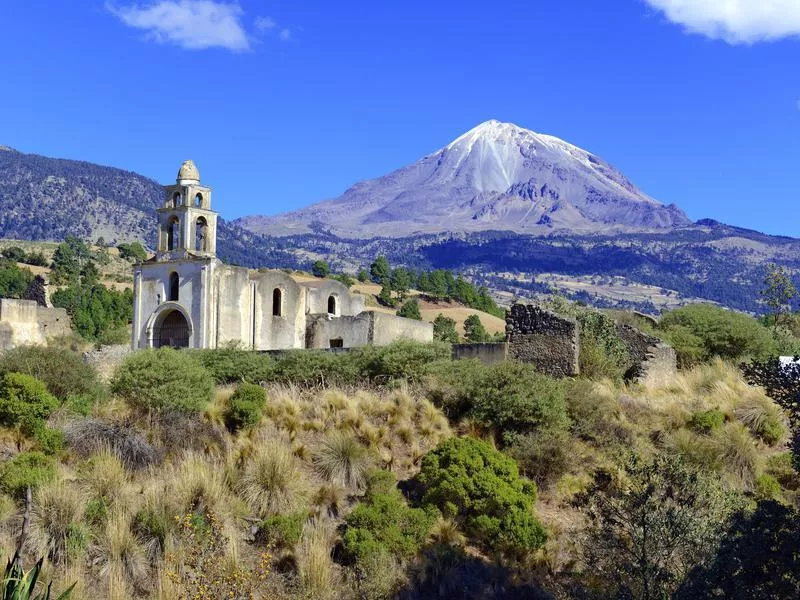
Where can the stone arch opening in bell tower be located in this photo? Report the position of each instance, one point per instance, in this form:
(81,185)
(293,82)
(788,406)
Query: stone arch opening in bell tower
(201,235)
(277,302)
(331,305)
(173,233)
(176,199)
(198,201)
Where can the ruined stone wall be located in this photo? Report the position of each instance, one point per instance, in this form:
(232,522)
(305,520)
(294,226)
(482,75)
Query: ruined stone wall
(548,341)
(24,322)
(652,359)
(488,354)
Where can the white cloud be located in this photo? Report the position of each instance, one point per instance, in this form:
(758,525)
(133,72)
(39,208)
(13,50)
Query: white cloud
(285,35)
(735,21)
(190,24)
(265,23)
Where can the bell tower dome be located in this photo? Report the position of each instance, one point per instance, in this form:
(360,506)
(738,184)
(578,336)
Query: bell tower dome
(187,225)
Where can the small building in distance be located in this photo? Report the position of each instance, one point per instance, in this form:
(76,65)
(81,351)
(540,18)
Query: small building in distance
(185,297)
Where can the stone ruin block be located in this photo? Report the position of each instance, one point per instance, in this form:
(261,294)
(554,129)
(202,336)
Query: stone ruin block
(548,341)
(651,358)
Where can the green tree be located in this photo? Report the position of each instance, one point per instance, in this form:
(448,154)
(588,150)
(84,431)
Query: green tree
(380,271)
(14,254)
(363,276)
(320,269)
(410,310)
(474,331)
(778,292)
(401,281)
(24,400)
(133,252)
(385,297)
(651,528)
(444,329)
(69,259)
(14,281)
(469,480)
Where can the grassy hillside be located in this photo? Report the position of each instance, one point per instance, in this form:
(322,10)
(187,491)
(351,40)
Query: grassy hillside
(379,473)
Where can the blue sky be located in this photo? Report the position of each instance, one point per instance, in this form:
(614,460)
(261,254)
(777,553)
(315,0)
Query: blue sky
(282,104)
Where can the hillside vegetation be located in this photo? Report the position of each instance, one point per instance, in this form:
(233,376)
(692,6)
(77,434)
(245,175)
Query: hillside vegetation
(396,472)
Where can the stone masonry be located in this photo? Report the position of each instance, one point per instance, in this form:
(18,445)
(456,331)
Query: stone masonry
(651,358)
(548,341)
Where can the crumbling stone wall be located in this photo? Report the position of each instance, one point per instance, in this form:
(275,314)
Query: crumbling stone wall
(489,353)
(548,341)
(105,360)
(25,322)
(651,358)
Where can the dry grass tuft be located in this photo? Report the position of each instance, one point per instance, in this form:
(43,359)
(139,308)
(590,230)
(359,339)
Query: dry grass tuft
(122,559)
(317,574)
(342,459)
(273,481)
(198,485)
(56,514)
(105,477)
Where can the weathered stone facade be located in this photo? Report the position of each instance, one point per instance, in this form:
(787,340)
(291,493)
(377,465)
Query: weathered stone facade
(547,340)
(185,297)
(652,359)
(24,322)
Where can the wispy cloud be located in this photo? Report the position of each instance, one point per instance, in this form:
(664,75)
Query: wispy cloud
(285,35)
(735,21)
(265,23)
(190,24)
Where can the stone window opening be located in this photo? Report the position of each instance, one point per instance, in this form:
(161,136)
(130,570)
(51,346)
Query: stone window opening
(173,233)
(201,235)
(277,302)
(174,286)
(336,343)
(198,200)
(331,305)
(176,199)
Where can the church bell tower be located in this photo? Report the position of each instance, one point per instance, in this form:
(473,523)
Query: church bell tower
(187,225)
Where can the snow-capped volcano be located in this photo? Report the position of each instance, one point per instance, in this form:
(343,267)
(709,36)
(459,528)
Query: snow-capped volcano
(497,176)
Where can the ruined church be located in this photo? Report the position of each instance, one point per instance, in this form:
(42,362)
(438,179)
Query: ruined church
(185,297)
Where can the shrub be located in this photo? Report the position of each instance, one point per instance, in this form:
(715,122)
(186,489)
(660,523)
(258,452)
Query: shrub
(231,365)
(402,359)
(781,468)
(468,479)
(163,379)
(724,333)
(384,522)
(63,372)
(764,419)
(508,397)
(595,413)
(245,407)
(707,421)
(474,331)
(24,400)
(342,459)
(766,487)
(89,436)
(28,469)
(544,457)
(314,368)
(602,352)
(283,531)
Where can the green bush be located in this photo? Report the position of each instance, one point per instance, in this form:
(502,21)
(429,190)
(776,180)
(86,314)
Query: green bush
(543,457)
(467,479)
(50,441)
(28,469)
(508,397)
(602,353)
(781,468)
(766,487)
(63,372)
(245,407)
(444,329)
(230,365)
(402,359)
(384,522)
(595,415)
(705,331)
(163,380)
(314,367)
(24,400)
(284,531)
(707,421)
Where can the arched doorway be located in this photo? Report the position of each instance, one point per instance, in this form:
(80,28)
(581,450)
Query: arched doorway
(172,331)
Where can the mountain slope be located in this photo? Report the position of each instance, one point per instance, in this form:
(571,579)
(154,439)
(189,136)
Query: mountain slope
(496,176)
(45,198)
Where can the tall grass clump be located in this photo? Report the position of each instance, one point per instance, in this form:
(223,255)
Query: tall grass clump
(342,459)
(56,517)
(764,419)
(317,574)
(273,480)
